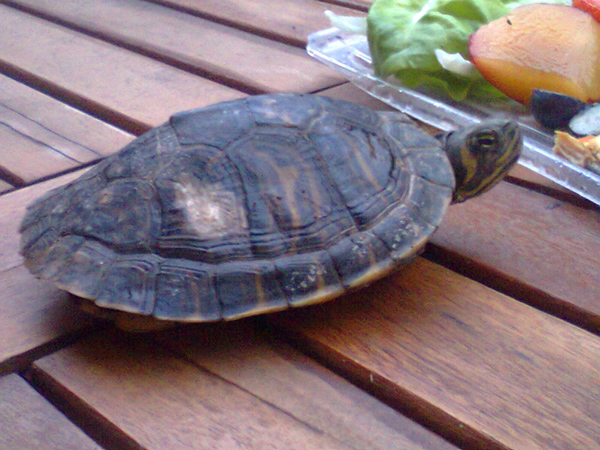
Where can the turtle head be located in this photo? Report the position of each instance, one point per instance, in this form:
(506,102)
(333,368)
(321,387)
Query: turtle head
(481,155)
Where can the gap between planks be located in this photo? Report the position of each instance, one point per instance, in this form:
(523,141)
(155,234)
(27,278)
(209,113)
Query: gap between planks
(289,21)
(246,62)
(139,49)
(240,363)
(74,100)
(29,422)
(496,372)
(74,68)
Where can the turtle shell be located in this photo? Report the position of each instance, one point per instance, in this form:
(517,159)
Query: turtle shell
(241,208)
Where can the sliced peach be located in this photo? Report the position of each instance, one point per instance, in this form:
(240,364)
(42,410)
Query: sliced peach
(540,46)
(591,6)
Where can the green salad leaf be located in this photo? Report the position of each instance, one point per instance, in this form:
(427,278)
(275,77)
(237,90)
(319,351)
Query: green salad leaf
(405,34)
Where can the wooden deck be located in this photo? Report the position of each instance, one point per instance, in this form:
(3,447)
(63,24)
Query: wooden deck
(489,341)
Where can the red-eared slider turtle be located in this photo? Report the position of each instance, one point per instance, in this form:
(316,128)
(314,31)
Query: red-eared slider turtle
(257,205)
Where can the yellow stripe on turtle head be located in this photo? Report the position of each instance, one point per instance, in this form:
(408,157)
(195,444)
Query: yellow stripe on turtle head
(482,155)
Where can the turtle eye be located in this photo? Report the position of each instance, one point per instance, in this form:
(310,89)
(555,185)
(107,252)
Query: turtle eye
(486,145)
(487,140)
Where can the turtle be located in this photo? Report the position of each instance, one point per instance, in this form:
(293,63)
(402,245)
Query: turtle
(256,205)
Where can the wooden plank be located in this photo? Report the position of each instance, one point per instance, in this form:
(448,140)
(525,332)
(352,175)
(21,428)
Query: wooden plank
(289,21)
(155,400)
(42,136)
(482,369)
(34,315)
(29,422)
(550,246)
(246,61)
(4,186)
(29,159)
(359,4)
(244,355)
(45,119)
(124,87)
(13,207)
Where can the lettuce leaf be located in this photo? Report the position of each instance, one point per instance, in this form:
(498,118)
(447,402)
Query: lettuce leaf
(405,34)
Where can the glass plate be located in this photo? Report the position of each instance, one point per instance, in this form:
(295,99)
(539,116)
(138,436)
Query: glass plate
(349,55)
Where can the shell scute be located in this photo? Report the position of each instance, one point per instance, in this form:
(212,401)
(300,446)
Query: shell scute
(123,214)
(303,276)
(404,232)
(204,215)
(357,255)
(242,208)
(290,111)
(129,284)
(248,287)
(206,125)
(51,253)
(52,202)
(350,115)
(83,271)
(143,158)
(291,203)
(431,165)
(358,163)
(184,289)
(426,201)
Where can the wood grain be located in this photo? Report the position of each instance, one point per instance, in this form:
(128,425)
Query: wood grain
(43,137)
(156,400)
(18,152)
(34,316)
(29,422)
(245,61)
(4,186)
(360,4)
(45,119)
(550,246)
(126,88)
(289,21)
(482,369)
(243,354)
(473,365)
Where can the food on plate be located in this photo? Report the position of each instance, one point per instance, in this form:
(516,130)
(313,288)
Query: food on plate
(424,43)
(583,152)
(577,138)
(543,54)
(551,47)
(404,36)
(553,110)
(587,121)
(559,111)
(591,6)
